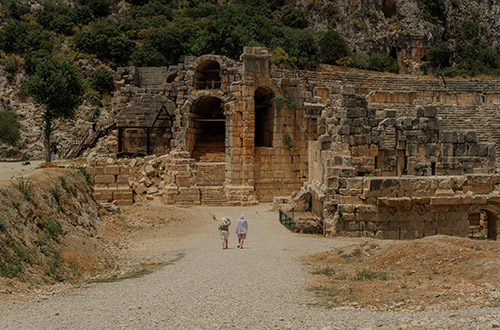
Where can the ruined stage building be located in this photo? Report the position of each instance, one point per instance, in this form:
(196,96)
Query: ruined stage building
(391,156)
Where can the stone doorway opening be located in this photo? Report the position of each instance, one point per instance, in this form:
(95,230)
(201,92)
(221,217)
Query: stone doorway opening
(207,75)
(207,130)
(483,225)
(264,117)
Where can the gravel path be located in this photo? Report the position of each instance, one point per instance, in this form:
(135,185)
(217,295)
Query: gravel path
(13,170)
(260,287)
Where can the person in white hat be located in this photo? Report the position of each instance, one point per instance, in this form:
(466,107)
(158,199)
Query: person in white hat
(224,231)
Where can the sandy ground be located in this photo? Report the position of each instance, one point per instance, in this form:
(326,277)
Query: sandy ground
(200,286)
(13,170)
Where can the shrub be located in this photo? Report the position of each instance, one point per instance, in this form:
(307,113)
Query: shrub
(147,56)
(380,62)
(4,223)
(9,128)
(56,193)
(31,60)
(439,55)
(19,37)
(333,47)
(102,81)
(434,9)
(366,274)
(95,38)
(361,60)
(120,49)
(99,8)
(11,64)
(301,45)
(57,17)
(279,56)
(220,38)
(165,41)
(294,17)
(156,8)
(86,175)
(52,226)
(16,9)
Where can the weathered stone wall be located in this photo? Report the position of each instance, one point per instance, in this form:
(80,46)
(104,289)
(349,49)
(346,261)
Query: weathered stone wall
(389,176)
(413,207)
(357,123)
(111,180)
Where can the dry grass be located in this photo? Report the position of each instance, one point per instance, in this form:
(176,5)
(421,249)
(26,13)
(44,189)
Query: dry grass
(436,272)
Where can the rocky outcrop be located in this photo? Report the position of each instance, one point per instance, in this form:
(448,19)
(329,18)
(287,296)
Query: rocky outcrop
(66,132)
(402,28)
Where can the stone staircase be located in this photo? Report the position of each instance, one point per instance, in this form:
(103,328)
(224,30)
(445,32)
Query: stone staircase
(213,196)
(211,177)
(369,81)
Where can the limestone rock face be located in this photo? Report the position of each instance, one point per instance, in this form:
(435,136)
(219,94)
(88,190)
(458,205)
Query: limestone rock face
(402,27)
(65,132)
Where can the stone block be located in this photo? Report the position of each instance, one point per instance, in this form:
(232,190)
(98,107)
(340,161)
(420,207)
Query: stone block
(353,113)
(430,111)
(122,195)
(113,170)
(104,179)
(124,201)
(141,189)
(390,113)
(98,170)
(103,195)
(122,179)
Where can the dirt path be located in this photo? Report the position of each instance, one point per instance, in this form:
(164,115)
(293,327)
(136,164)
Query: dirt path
(263,286)
(13,170)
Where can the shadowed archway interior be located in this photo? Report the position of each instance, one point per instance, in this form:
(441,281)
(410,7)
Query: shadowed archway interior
(264,117)
(207,129)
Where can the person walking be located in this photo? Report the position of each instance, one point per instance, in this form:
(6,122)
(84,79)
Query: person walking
(224,231)
(241,230)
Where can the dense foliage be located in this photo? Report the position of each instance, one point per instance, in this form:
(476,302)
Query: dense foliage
(163,32)
(471,57)
(9,128)
(102,81)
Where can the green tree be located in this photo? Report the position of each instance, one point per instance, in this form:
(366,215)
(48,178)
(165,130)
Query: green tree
(57,17)
(439,55)
(294,17)
(18,37)
(9,128)
(147,56)
(219,38)
(99,8)
(380,62)
(333,47)
(167,42)
(102,81)
(16,9)
(57,89)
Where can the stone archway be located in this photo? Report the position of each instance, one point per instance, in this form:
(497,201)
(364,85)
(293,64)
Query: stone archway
(208,75)
(207,129)
(483,222)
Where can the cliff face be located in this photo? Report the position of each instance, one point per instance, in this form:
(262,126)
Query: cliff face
(404,28)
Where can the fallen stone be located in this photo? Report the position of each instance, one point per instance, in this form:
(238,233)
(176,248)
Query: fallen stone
(141,189)
(110,207)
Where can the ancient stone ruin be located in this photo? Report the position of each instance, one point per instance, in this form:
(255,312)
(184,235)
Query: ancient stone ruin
(374,155)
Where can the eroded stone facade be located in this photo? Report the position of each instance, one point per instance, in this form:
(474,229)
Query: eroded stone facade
(372,151)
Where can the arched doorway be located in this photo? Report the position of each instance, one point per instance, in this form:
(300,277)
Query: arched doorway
(207,75)
(483,224)
(264,117)
(207,129)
